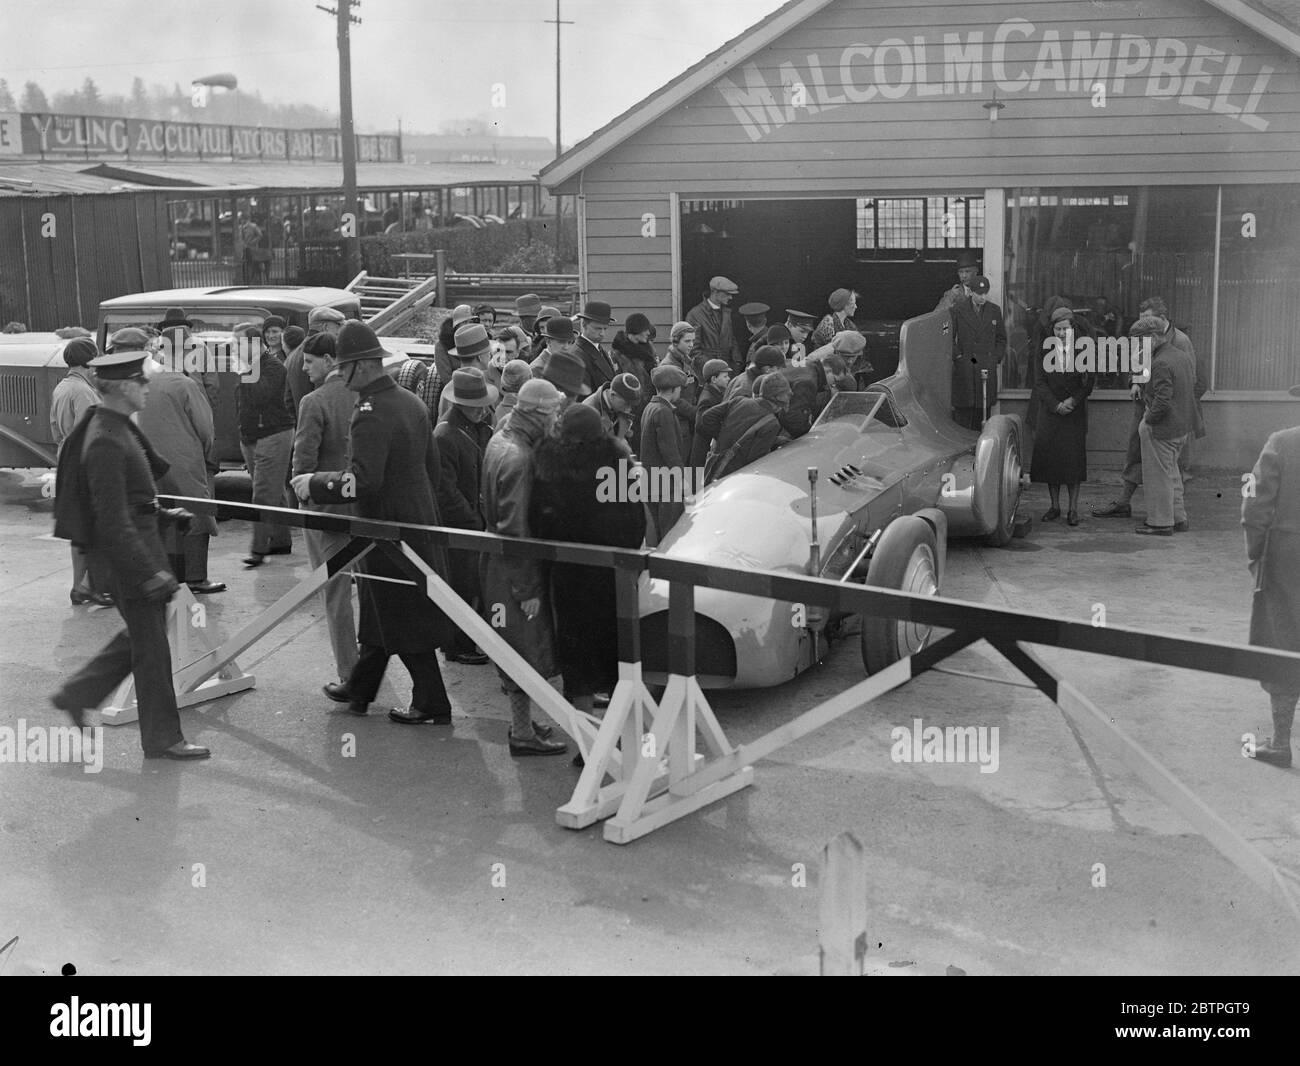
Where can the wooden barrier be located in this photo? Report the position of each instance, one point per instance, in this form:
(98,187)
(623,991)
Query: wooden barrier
(648,748)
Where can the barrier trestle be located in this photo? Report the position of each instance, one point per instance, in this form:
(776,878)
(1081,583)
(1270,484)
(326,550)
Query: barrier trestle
(643,769)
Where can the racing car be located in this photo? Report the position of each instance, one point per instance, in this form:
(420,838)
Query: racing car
(895,476)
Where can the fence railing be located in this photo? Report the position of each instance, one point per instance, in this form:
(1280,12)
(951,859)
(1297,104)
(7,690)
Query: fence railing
(648,747)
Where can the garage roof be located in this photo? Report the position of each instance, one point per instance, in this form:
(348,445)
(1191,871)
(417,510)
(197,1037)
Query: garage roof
(19,179)
(297,177)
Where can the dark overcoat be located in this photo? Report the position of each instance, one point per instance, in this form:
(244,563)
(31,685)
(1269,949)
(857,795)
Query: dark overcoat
(461,444)
(392,475)
(1060,441)
(565,506)
(979,342)
(1271,517)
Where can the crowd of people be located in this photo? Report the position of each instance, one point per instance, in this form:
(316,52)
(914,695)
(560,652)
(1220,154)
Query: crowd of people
(506,430)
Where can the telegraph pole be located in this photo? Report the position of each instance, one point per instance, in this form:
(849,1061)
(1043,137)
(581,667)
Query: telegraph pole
(352,243)
(558,23)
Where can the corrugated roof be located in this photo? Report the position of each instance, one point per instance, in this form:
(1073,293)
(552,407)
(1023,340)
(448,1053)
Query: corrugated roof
(303,176)
(25,179)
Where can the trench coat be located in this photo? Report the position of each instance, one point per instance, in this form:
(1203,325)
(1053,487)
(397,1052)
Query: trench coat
(461,445)
(177,420)
(506,583)
(1271,518)
(392,475)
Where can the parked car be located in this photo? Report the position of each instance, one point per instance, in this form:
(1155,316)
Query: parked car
(895,477)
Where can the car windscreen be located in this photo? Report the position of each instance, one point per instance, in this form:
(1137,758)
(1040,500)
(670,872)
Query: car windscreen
(203,320)
(875,406)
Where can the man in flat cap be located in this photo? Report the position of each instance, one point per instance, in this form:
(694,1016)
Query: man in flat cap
(665,449)
(968,269)
(744,428)
(714,336)
(106,500)
(615,402)
(979,343)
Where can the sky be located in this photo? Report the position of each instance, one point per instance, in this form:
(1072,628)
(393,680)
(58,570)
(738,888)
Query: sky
(423,61)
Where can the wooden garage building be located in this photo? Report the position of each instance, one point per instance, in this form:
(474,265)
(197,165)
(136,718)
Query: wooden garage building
(1085,149)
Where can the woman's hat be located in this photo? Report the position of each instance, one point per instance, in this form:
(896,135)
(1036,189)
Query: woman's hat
(626,386)
(469,388)
(356,341)
(514,374)
(581,423)
(461,314)
(839,299)
(1060,313)
(293,336)
(538,395)
(271,321)
(636,323)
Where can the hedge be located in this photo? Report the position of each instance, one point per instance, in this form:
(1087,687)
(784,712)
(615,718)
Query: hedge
(471,250)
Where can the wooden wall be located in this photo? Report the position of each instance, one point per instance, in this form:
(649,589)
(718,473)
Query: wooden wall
(61,255)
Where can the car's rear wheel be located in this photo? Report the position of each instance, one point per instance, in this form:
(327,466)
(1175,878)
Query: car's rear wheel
(906,559)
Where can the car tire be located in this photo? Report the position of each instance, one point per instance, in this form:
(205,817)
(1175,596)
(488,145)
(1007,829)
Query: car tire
(1006,431)
(906,559)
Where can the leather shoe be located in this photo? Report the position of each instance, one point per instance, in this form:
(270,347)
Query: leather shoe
(536,746)
(1051,514)
(203,588)
(77,714)
(1182,527)
(99,599)
(339,693)
(1155,531)
(183,750)
(543,730)
(413,717)
(1114,509)
(1072,517)
(470,658)
(254,559)
(1274,756)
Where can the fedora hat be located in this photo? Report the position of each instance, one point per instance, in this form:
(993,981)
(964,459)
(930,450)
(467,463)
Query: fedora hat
(356,341)
(462,313)
(469,388)
(595,311)
(528,305)
(567,373)
(471,341)
(175,317)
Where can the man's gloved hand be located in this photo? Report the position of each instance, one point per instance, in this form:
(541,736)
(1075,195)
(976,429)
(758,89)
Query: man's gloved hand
(161,587)
(178,517)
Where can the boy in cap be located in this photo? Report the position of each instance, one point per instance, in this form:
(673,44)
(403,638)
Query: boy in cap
(717,376)
(763,361)
(106,500)
(615,402)
(513,378)
(514,590)
(665,447)
(714,336)
(800,324)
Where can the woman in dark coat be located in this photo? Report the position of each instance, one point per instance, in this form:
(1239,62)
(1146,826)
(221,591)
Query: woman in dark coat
(565,506)
(1061,432)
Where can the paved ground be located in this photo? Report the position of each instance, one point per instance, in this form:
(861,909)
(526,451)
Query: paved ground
(384,863)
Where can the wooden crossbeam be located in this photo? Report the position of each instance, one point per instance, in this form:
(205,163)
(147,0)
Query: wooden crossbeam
(1101,729)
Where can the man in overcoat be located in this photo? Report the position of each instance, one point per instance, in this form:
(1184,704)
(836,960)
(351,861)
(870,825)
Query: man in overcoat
(515,596)
(178,423)
(106,501)
(715,336)
(463,435)
(599,367)
(1270,513)
(665,445)
(979,342)
(392,474)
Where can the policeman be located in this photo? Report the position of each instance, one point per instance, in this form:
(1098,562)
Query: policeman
(979,341)
(106,499)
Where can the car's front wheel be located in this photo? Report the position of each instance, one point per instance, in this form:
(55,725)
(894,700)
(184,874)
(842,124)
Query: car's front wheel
(906,559)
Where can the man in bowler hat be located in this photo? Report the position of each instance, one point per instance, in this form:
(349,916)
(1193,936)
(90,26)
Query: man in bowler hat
(968,269)
(599,367)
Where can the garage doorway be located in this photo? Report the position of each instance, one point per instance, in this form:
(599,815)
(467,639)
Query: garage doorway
(899,251)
